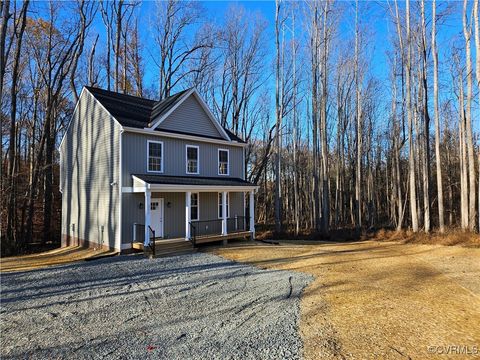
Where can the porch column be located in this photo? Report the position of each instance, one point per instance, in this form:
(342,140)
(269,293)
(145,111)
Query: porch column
(188,200)
(252,214)
(148,198)
(224,213)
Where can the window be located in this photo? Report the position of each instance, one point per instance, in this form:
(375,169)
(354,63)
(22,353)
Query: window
(222,162)
(220,206)
(194,213)
(192,159)
(155,156)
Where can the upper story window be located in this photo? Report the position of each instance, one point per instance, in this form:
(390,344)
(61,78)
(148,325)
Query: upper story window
(192,159)
(223,156)
(155,156)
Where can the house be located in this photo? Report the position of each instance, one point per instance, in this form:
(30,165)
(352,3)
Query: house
(134,170)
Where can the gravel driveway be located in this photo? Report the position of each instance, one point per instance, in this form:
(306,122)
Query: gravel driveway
(192,306)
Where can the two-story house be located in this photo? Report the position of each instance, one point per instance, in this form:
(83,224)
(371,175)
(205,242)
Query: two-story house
(134,169)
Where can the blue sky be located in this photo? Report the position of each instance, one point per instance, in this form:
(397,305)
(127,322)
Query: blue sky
(375,18)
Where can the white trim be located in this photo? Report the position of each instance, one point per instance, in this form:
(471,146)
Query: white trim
(228,204)
(167,134)
(148,156)
(228,162)
(224,213)
(252,214)
(186,159)
(182,188)
(120,190)
(243,164)
(198,206)
(188,199)
(60,179)
(127,189)
(202,104)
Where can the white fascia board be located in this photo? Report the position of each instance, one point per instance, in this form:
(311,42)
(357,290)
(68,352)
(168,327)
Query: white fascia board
(199,188)
(184,136)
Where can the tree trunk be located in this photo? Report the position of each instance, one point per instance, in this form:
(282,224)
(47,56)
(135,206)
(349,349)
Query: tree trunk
(12,149)
(472,211)
(278,112)
(358,105)
(441,216)
(411,156)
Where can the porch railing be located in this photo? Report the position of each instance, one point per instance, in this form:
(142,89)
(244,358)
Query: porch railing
(139,235)
(151,243)
(214,227)
(237,223)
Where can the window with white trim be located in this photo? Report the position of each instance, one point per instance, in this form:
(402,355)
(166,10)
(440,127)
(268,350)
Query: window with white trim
(223,156)
(194,201)
(220,205)
(192,159)
(155,156)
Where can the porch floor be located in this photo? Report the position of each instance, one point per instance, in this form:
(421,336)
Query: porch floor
(202,239)
(165,247)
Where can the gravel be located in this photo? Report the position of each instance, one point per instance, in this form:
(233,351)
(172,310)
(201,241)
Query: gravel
(196,306)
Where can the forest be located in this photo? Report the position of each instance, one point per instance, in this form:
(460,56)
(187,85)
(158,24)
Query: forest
(359,115)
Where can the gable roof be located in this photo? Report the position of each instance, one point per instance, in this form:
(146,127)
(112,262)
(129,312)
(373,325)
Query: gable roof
(138,112)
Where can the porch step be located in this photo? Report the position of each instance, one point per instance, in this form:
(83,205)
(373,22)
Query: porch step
(170,248)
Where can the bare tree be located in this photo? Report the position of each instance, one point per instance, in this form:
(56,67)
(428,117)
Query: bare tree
(19,29)
(472,211)
(411,150)
(358,106)
(279,115)
(438,158)
(174,20)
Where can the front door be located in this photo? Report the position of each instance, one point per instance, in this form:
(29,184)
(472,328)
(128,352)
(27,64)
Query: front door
(156,216)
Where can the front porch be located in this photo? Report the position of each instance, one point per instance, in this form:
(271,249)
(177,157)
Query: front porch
(213,210)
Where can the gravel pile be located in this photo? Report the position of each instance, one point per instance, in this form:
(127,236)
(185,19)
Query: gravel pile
(197,306)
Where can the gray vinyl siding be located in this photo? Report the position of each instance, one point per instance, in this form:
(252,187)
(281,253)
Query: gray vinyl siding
(134,157)
(89,165)
(190,118)
(174,216)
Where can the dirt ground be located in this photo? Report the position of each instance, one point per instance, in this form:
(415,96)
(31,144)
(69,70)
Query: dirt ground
(48,258)
(380,300)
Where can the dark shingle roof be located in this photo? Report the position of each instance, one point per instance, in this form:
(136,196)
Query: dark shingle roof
(192,180)
(137,112)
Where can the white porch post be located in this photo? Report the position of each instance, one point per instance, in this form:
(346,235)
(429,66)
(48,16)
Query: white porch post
(224,213)
(148,198)
(252,214)
(188,200)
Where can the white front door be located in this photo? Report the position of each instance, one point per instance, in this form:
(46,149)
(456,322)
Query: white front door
(156,216)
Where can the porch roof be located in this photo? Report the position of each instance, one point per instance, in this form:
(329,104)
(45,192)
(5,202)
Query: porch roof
(143,182)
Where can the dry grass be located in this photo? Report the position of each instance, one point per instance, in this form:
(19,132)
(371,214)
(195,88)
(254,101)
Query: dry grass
(48,258)
(379,300)
(449,238)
